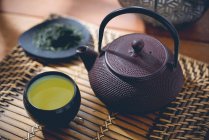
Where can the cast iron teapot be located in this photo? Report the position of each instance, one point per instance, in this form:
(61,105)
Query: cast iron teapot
(135,73)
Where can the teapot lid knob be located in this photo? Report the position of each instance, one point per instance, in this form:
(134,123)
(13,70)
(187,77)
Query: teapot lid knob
(137,45)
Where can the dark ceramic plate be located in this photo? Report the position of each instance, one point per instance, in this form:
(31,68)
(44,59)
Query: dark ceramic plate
(27,43)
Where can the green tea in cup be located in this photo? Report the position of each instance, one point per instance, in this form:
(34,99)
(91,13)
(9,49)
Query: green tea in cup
(51,92)
(52,99)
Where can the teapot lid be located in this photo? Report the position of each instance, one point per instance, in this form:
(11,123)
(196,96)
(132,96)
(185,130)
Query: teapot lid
(136,55)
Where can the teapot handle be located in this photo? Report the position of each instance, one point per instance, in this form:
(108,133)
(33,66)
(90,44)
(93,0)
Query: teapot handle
(135,9)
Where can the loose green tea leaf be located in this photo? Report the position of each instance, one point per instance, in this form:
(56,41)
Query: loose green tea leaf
(57,37)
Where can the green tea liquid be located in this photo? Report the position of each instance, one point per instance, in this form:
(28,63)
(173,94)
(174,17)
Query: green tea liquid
(51,92)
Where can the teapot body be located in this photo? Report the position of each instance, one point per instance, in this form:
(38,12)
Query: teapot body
(133,95)
(135,73)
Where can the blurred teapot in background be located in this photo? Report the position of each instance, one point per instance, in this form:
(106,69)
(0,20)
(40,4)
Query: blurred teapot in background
(135,73)
(176,11)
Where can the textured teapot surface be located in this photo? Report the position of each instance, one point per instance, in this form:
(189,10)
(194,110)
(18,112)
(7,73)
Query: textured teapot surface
(133,95)
(135,73)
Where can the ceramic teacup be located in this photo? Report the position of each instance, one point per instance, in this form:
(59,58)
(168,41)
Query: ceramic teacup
(52,99)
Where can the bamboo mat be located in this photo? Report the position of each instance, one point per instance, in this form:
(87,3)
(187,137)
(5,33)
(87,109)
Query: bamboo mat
(185,118)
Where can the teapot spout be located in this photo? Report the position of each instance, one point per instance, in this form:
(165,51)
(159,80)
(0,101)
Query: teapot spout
(87,55)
